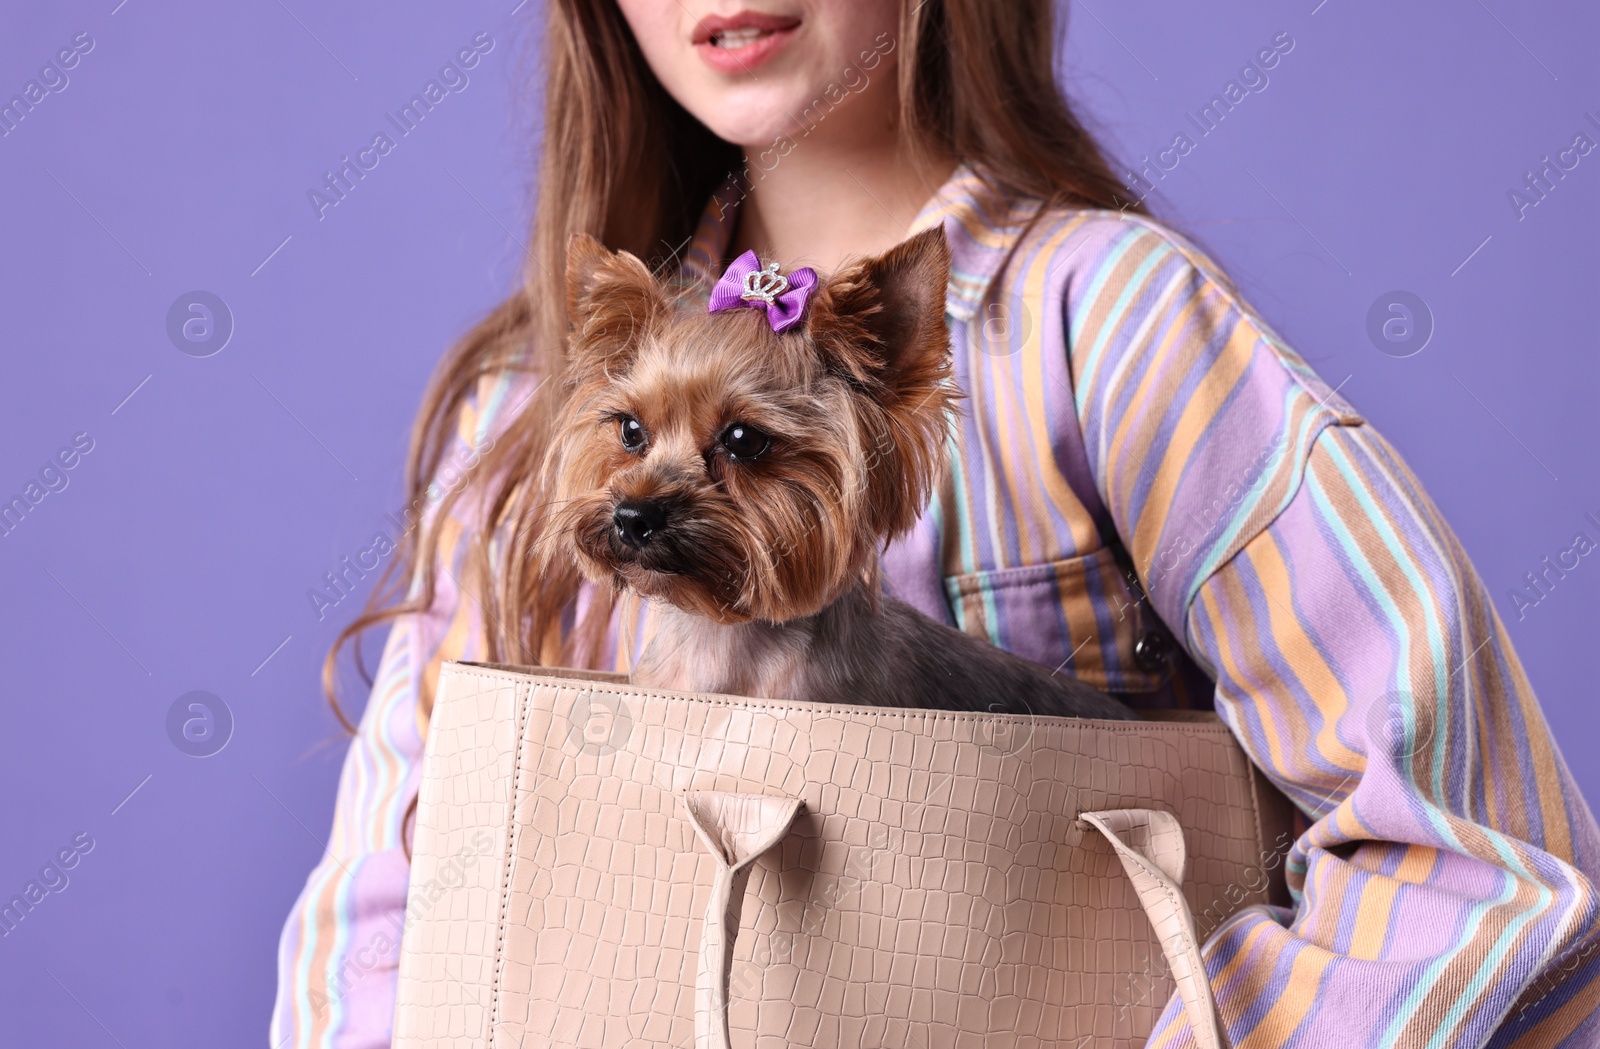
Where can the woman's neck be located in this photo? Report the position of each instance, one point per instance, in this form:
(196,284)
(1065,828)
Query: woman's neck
(817,206)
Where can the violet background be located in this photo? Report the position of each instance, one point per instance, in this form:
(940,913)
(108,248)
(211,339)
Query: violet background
(179,557)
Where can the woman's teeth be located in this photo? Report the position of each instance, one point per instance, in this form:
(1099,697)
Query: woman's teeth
(730,39)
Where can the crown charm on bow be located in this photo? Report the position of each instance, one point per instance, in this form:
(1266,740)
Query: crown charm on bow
(765,285)
(746,283)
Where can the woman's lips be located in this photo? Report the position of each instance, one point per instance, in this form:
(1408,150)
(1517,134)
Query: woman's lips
(739,43)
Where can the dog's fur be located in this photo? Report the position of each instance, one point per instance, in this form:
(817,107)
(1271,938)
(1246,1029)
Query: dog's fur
(767,566)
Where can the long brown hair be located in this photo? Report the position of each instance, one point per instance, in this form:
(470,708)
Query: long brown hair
(624,162)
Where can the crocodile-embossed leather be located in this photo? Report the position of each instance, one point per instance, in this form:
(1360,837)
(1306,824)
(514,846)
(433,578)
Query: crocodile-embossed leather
(943,885)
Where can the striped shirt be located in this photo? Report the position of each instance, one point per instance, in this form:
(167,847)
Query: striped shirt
(1150,490)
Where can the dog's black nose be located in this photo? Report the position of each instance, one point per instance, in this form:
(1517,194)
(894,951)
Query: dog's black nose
(637,522)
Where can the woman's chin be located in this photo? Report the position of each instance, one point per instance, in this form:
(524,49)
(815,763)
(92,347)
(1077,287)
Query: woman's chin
(755,114)
(752,128)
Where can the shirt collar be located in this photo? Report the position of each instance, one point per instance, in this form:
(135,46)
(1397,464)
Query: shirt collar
(981,223)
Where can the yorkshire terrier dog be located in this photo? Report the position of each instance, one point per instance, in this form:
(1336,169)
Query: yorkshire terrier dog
(744,468)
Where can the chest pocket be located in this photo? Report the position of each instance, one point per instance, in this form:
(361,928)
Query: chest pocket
(1081,615)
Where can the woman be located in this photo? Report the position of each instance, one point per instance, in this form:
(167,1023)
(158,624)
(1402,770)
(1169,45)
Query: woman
(1147,488)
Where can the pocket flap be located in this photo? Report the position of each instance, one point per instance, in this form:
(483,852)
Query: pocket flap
(1078,614)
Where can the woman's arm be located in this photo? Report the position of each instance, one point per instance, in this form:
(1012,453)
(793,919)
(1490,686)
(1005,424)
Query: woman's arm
(1443,891)
(340,947)
(339,953)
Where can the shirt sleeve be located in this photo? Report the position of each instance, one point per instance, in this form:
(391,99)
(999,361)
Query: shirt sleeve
(339,953)
(1442,894)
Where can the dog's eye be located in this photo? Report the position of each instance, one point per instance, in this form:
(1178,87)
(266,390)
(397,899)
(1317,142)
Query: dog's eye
(632,433)
(744,441)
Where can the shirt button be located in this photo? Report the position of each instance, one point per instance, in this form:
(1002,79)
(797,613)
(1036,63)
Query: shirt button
(1150,652)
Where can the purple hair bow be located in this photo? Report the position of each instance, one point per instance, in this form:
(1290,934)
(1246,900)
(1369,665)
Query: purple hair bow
(746,284)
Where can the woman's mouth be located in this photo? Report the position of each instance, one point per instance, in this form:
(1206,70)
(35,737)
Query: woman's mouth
(738,43)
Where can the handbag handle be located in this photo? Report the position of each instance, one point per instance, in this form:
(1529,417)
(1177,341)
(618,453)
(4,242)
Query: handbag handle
(737,828)
(1149,843)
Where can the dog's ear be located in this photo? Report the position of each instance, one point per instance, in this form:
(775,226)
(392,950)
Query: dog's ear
(880,321)
(613,302)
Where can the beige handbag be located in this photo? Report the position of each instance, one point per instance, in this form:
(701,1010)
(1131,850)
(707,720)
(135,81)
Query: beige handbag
(604,866)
